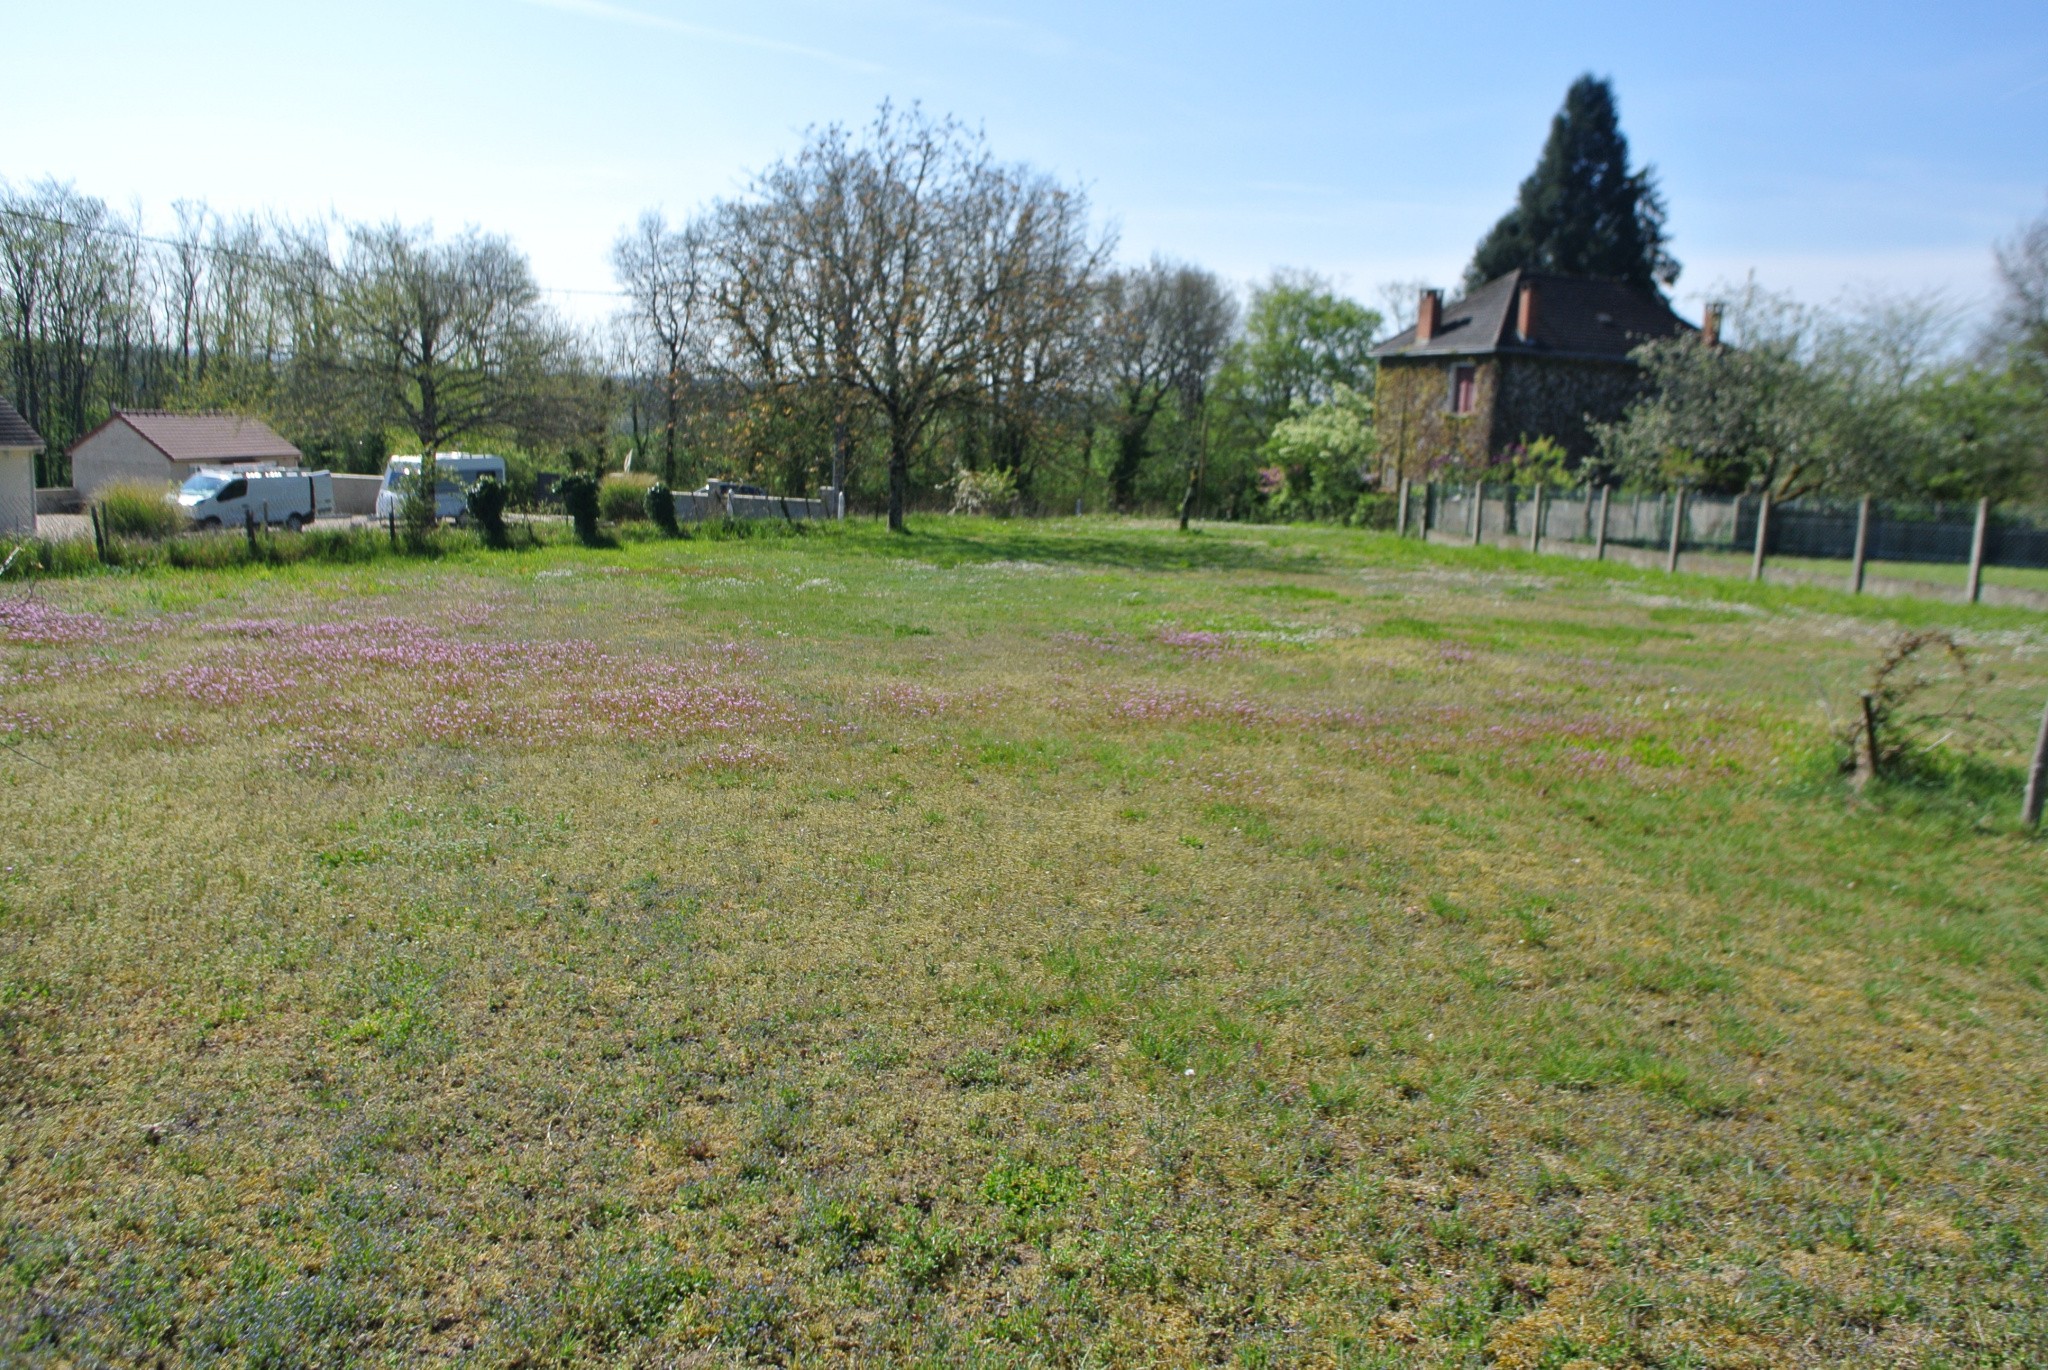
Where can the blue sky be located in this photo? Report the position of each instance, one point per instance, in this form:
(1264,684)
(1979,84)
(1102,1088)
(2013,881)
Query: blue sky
(1828,147)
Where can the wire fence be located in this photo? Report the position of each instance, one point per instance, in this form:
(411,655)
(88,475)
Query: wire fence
(1977,535)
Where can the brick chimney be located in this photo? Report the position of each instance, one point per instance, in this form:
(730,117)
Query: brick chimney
(1710,326)
(1525,313)
(1428,316)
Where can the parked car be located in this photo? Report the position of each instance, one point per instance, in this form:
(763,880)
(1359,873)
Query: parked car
(455,474)
(269,495)
(729,487)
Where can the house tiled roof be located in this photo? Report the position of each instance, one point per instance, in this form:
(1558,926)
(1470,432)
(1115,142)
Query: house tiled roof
(1601,320)
(204,437)
(15,432)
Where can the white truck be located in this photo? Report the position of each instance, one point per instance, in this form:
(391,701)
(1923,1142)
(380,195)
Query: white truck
(455,474)
(270,495)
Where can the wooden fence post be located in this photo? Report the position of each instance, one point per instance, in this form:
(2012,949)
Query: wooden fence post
(2037,778)
(1862,545)
(1867,742)
(1677,530)
(1977,549)
(1428,508)
(1401,513)
(1536,518)
(1600,538)
(1763,534)
(1478,511)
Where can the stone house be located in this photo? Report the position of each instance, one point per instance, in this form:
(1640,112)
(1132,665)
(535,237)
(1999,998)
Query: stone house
(1522,357)
(163,448)
(19,445)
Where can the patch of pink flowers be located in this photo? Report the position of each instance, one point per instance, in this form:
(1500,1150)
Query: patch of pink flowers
(743,756)
(20,723)
(904,697)
(24,618)
(1196,642)
(388,680)
(226,685)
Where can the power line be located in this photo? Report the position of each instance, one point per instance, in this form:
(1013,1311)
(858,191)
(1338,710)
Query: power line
(237,253)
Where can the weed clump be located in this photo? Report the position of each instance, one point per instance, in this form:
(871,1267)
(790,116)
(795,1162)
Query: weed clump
(137,509)
(628,1296)
(923,1251)
(1024,1190)
(622,498)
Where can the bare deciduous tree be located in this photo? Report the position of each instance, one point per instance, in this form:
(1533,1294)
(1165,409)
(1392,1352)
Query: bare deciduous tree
(1164,327)
(889,270)
(448,339)
(1201,317)
(666,274)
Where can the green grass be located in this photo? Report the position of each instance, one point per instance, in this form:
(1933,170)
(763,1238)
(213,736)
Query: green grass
(1948,575)
(1010,944)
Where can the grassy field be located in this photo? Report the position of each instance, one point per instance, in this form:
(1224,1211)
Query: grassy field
(1951,575)
(1010,944)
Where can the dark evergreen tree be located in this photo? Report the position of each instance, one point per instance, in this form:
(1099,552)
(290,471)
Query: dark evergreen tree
(1582,212)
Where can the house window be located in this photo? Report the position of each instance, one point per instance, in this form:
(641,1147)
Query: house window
(1464,389)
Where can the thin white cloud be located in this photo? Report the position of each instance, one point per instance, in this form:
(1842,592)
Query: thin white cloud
(621,14)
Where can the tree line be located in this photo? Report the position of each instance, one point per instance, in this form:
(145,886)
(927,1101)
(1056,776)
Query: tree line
(895,311)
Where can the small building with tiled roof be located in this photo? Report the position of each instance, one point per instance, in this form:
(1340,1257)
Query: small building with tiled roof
(20,445)
(1522,357)
(160,447)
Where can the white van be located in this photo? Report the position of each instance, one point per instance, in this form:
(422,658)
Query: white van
(455,474)
(270,495)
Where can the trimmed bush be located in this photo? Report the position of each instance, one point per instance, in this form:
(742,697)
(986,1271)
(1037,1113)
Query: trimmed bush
(579,499)
(138,509)
(486,503)
(623,497)
(661,509)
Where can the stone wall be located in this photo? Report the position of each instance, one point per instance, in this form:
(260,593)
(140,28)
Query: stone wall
(1551,398)
(1419,435)
(1519,398)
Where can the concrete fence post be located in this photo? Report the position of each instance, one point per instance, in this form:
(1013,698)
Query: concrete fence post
(1428,508)
(1478,511)
(1536,519)
(1401,512)
(2037,779)
(1862,546)
(1763,534)
(1677,530)
(1977,538)
(1600,536)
